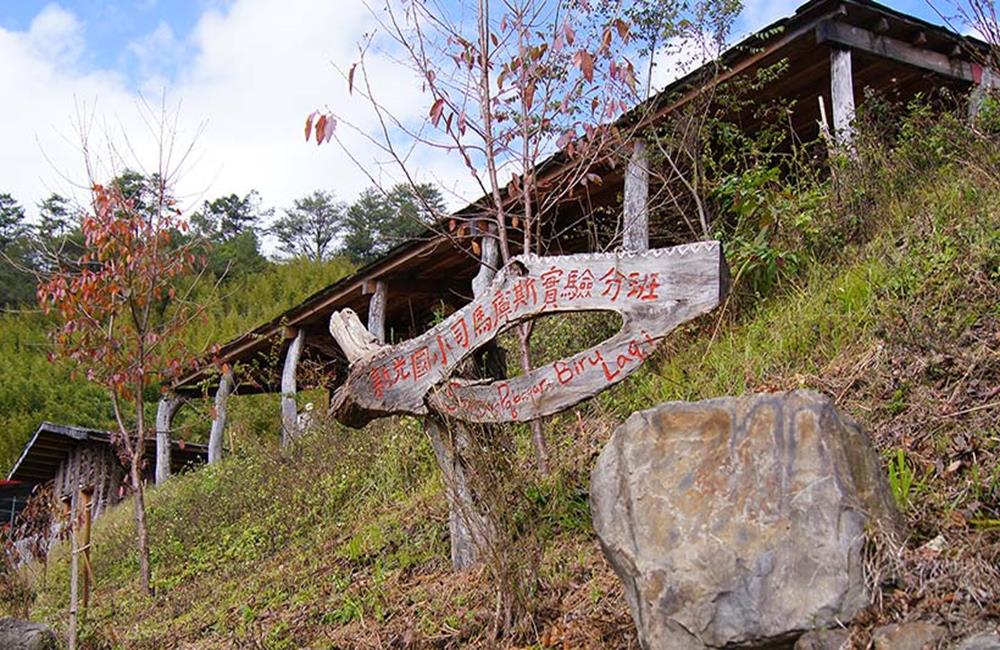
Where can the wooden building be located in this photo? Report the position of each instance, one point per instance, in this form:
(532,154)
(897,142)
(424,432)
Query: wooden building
(74,459)
(833,52)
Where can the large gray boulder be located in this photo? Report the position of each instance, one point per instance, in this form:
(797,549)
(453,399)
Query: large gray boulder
(739,520)
(16,634)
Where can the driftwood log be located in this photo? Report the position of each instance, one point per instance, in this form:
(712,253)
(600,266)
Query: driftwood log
(654,292)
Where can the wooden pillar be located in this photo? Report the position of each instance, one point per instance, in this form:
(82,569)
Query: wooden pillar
(289,412)
(376,311)
(842,95)
(165,411)
(635,217)
(219,416)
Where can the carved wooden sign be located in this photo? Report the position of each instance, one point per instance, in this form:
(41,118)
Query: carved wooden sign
(654,292)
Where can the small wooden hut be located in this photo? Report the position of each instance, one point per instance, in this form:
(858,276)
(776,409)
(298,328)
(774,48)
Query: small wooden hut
(76,459)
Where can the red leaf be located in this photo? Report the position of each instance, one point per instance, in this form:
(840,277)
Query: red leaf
(320,125)
(309,124)
(622,28)
(475,247)
(437,109)
(586,62)
(529,94)
(570,34)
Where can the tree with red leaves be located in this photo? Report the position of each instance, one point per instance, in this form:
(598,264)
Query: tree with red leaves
(121,312)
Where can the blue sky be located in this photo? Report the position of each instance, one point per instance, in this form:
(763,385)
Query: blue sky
(244,73)
(111,29)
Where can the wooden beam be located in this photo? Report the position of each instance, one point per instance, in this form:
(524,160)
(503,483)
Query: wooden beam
(289,412)
(376,311)
(635,207)
(832,31)
(219,417)
(165,411)
(842,95)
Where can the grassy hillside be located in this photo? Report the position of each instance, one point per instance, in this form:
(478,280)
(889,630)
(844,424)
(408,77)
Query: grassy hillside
(33,389)
(878,287)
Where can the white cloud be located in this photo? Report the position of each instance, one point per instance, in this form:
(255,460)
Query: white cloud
(249,72)
(55,35)
(680,56)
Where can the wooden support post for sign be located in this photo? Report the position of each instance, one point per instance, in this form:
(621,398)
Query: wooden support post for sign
(467,527)
(635,218)
(165,411)
(219,416)
(289,412)
(376,311)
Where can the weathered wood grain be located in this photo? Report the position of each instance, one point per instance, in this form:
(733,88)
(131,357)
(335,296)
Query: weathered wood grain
(635,217)
(289,387)
(376,311)
(165,411)
(842,95)
(653,291)
(219,417)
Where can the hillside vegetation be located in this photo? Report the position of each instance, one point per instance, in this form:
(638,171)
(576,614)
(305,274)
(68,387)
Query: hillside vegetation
(877,285)
(33,389)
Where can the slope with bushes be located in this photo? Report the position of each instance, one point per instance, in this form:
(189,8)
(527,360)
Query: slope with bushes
(878,286)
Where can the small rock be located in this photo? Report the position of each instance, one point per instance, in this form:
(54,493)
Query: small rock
(739,521)
(981,642)
(16,634)
(908,636)
(824,640)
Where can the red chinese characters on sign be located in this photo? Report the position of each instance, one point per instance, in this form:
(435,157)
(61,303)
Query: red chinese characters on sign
(460,331)
(489,315)
(550,287)
(579,284)
(481,322)
(640,286)
(643,287)
(525,294)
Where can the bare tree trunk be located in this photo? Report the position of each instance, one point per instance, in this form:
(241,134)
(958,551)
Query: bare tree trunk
(74,579)
(139,500)
(142,531)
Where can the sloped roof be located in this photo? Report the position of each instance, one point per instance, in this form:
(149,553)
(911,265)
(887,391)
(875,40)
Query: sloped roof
(436,268)
(52,443)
